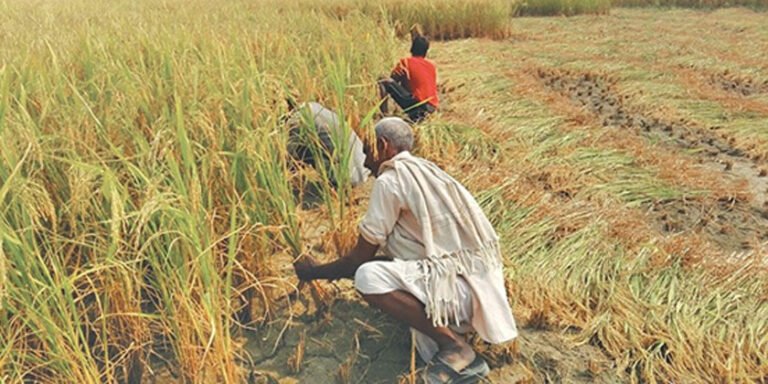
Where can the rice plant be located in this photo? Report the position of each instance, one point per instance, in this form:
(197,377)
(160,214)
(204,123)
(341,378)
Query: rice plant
(438,19)
(145,180)
(563,7)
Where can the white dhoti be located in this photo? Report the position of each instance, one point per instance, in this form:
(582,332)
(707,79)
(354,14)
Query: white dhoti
(380,277)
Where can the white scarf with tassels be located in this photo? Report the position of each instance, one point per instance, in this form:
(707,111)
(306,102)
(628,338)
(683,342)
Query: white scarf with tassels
(457,237)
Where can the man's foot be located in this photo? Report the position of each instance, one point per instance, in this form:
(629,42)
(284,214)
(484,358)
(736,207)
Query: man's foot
(458,357)
(438,372)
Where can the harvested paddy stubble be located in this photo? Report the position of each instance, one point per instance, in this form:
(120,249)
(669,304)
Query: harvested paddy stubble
(743,85)
(638,293)
(758,4)
(734,222)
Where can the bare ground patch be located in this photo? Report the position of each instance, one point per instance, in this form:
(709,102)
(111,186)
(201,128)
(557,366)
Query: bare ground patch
(739,84)
(350,342)
(735,223)
(722,221)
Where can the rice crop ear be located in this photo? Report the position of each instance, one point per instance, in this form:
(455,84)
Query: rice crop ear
(3,271)
(5,95)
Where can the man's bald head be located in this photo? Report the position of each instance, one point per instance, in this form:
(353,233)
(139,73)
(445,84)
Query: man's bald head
(396,132)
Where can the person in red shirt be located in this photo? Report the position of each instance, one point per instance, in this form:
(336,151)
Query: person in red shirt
(413,82)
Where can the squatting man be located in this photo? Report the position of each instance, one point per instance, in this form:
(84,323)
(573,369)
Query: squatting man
(445,275)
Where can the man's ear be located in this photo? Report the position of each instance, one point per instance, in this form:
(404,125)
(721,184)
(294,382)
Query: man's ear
(367,149)
(385,146)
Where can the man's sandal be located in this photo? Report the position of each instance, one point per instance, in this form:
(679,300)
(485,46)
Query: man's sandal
(438,372)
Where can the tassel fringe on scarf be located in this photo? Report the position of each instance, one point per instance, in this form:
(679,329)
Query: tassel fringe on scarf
(458,238)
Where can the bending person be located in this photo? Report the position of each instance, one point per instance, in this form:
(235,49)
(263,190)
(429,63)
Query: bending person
(311,140)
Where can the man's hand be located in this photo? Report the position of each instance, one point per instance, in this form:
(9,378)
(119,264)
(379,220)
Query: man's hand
(304,267)
(307,268)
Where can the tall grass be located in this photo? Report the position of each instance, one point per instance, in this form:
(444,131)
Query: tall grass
(145,185)
(563,7)
(452,19)
(439,19)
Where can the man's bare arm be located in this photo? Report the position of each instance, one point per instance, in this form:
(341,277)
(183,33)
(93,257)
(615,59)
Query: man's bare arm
(345,267)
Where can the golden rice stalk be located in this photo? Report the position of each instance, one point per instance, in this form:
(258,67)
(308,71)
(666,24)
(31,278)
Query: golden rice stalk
(295,361)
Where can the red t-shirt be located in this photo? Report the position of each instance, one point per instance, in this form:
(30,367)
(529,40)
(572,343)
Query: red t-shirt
(422,78)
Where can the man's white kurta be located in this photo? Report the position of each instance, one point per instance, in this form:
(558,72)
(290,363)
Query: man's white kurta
(403,204)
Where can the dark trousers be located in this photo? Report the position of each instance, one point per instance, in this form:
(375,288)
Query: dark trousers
(415,109)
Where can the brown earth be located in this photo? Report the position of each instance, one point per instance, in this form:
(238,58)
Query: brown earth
(340,339)
(743,85)
(352,343)
(735,223)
